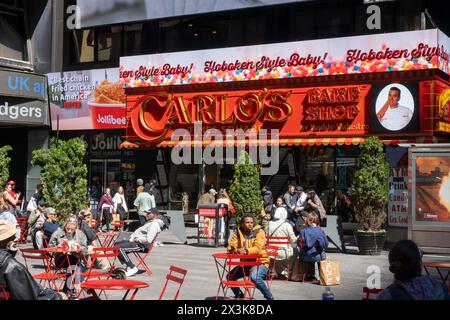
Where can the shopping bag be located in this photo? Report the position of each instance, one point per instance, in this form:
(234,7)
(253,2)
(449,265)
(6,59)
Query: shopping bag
(298,271)
(115,217)
(329,272)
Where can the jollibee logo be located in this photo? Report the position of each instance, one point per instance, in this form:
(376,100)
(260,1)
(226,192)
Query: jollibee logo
(110,119)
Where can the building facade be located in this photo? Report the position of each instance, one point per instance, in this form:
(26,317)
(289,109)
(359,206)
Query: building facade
(313,70)
(24,60)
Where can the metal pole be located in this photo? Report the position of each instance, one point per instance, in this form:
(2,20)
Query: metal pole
(57,129)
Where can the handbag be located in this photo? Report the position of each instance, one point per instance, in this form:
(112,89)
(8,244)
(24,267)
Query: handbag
(121,211)
(329,272)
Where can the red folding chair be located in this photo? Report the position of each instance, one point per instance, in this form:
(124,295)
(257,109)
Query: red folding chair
(272,252)
(368,292)
(4,293)
(241,261)
(280,242)
(110,254)
(118,224)
(174,278)
(142,256)
(22,223)
(49,276)
(107,239)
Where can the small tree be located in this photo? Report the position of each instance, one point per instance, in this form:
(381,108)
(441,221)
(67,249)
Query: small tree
(63,174)
(245,191)
(370,186)
(4,165)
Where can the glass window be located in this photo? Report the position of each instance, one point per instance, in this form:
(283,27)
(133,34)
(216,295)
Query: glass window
(12,35)
(109,43)
(83,43)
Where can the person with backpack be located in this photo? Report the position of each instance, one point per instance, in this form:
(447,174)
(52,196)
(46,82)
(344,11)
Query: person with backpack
(405,262)
(140,240)
(280,227)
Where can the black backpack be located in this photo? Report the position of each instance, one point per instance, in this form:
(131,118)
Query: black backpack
(165,219)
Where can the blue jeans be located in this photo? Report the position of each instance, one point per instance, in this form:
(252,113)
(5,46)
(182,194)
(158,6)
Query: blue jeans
(258,276)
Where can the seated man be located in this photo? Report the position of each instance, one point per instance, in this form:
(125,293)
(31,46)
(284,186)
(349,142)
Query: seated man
(405,262)
(14,276)
(50,226)
(250,239)
(140,240)
(312,243)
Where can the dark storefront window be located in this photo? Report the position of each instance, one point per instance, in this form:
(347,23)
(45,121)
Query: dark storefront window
(13,39)
(269,24)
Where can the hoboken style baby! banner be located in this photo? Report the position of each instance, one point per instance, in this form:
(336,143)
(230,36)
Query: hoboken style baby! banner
(403,51)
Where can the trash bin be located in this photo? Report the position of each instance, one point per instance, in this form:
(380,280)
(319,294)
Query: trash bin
(213,225)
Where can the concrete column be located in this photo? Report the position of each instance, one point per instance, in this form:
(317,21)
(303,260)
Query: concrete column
(37,139)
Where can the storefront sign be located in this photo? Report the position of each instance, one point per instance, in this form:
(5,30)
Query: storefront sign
(398,197)
(294,112)
(25,85)
(90,99)
(413,50)
(104,145)
(25,111)
(443,122)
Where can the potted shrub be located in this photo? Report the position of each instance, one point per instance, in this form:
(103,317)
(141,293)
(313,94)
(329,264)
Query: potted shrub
(245,191)
(370,196)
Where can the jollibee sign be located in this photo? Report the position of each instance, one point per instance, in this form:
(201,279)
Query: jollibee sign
(87,99)
(403,51)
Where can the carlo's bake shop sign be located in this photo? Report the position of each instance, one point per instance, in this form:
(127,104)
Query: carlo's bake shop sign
(89,99)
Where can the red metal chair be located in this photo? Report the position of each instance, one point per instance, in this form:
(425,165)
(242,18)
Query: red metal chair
(48,276)
(118,225)
(367,291)
(174,278)
(142,256)
(22,223)
(272,252)
(4,293)
(110,254)
(282,243)
(107,239)
(241,261)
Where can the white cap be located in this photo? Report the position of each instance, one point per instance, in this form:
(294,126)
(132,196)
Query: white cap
(213,191)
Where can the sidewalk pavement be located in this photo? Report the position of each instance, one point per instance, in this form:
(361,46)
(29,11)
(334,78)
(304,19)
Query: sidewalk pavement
(202,280)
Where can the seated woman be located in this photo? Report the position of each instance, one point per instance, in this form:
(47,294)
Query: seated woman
(280,227)
(312,243)
(70,237)
(405,263)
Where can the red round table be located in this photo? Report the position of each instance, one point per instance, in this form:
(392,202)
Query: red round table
(113,284)
(439,265)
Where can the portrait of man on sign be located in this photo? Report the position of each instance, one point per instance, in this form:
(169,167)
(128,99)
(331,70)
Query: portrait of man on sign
(393,115)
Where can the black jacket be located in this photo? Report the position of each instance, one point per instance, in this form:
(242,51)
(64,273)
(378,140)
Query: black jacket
(268,199)
(19,281)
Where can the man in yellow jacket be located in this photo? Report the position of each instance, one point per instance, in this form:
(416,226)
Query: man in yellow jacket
(250,239)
